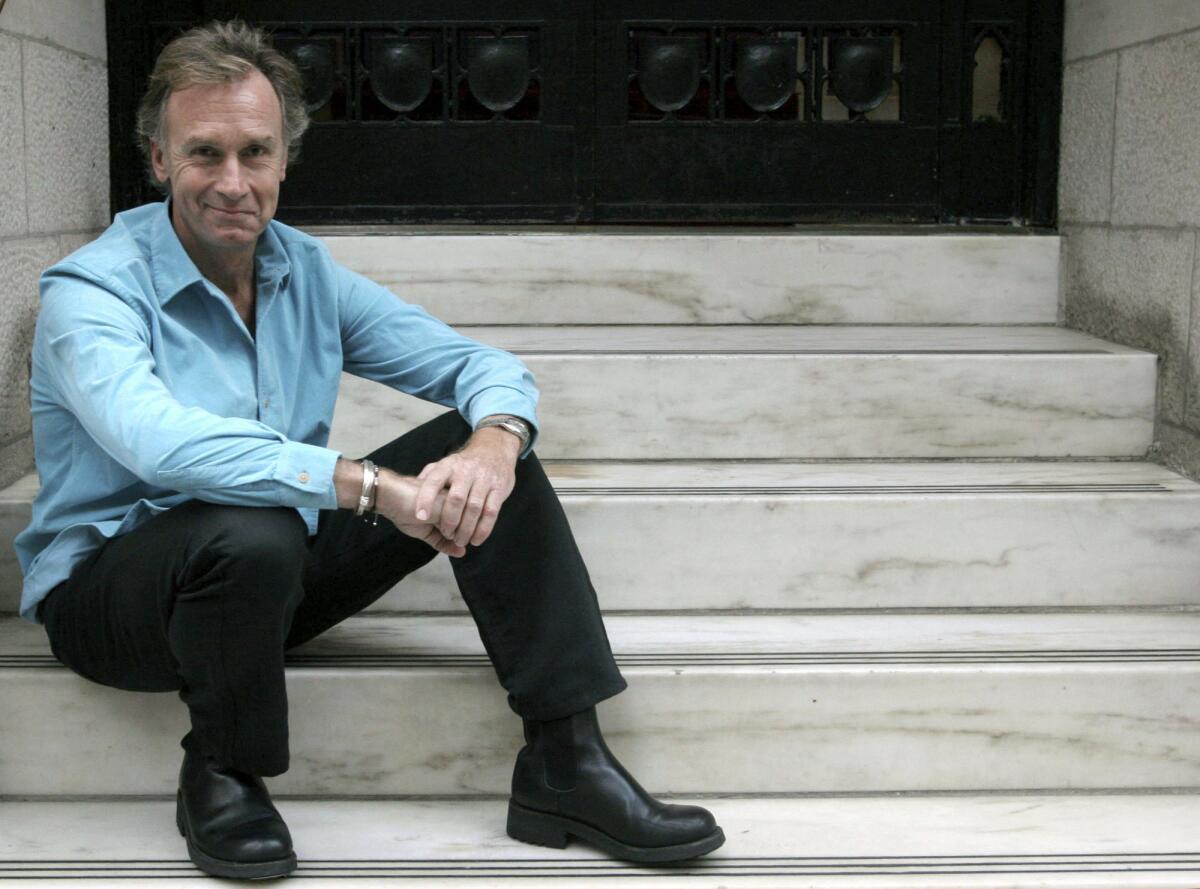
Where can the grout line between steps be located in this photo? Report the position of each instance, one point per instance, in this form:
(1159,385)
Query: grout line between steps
(858,461)
(823,612)
(710,795)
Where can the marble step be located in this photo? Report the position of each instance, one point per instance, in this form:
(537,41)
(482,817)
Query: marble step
(785,392)
(1140,841)
(869,535)
(656,276)
(833,703)
(844,536)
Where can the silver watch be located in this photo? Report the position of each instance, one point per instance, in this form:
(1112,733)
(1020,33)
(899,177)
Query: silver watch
(515,425)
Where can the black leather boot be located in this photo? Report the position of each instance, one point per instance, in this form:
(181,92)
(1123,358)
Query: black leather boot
(567,783)
(232,827)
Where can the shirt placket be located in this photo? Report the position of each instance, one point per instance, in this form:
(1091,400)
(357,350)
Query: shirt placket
(268,383)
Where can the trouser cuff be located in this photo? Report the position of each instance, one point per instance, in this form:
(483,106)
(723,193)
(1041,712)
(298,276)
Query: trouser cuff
(560,706)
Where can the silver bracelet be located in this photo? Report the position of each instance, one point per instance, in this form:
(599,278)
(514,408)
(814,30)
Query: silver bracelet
(508,423)
(370,484)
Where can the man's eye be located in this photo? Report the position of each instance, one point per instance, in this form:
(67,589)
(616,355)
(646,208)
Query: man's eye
(256,151)
(204,151)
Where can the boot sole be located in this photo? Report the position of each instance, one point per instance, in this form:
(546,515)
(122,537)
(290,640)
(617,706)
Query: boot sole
(219,867)
(545,829)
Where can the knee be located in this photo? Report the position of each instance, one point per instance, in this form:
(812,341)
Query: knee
(264,533)
(266,545)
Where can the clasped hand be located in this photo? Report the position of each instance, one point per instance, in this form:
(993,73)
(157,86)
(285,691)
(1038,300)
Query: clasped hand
(455,501)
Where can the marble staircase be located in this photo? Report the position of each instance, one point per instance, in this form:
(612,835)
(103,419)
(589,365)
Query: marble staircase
(896,591)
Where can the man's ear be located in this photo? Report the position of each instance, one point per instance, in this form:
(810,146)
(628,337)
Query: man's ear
(158,161)
(283,166)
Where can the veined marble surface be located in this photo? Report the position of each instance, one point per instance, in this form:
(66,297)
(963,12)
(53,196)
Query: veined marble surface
(834,406)
(885,535)
(852,535)
(739,477)
(1101,842)
(834,703)
(399,640)
(741,278)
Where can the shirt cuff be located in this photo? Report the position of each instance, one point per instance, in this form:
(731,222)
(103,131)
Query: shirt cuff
(504,400)
(308,469)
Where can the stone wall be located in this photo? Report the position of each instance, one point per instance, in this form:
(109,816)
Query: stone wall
(1129,195)
(53,176)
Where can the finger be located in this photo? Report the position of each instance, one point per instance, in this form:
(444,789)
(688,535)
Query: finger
(439,504)
(476,502)
(456,502)
(435,478)
(487,519)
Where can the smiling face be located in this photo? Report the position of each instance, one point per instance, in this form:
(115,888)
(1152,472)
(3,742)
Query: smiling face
(224,157)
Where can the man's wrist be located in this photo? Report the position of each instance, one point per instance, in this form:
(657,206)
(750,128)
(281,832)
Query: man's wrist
(496,437)
(513,425)
(347,481)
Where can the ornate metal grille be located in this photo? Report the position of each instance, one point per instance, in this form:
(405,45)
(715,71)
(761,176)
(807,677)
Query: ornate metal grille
(761,73)
(647,110)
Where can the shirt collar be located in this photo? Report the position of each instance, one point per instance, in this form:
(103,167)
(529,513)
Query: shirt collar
(170,266)
(272,263)
(173,270)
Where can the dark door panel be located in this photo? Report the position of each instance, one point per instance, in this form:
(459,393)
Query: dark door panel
(699,173)
(424,173)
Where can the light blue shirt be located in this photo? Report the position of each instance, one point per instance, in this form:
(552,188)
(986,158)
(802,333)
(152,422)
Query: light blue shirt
(148,389)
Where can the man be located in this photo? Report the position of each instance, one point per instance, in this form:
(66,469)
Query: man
(192,525)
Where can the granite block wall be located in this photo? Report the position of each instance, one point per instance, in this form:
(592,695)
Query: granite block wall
(53,177)
(1129,195)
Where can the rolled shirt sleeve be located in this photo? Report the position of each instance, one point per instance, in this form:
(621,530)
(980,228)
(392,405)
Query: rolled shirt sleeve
(399,344)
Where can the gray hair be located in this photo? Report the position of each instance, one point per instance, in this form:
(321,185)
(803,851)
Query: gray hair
(220,52)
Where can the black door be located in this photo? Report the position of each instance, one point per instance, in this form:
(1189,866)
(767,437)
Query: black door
(609,111)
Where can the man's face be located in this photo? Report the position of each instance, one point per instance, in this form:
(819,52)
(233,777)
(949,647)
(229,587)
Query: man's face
(224,157)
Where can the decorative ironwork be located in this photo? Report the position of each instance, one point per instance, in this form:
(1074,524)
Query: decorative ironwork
(317,65)
(401,71)
(320,54)
(426,72)
(755,65)
(860,71)
(668,69)
(498,70)
(960,119)
(400,74)
(765,71)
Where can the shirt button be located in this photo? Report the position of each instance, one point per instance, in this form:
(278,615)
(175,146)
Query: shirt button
(267,403)
(303,478)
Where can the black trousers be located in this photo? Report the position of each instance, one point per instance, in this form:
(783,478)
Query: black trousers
(204,599)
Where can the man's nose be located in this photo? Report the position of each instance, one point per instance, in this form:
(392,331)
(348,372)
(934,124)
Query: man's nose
(231,182)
